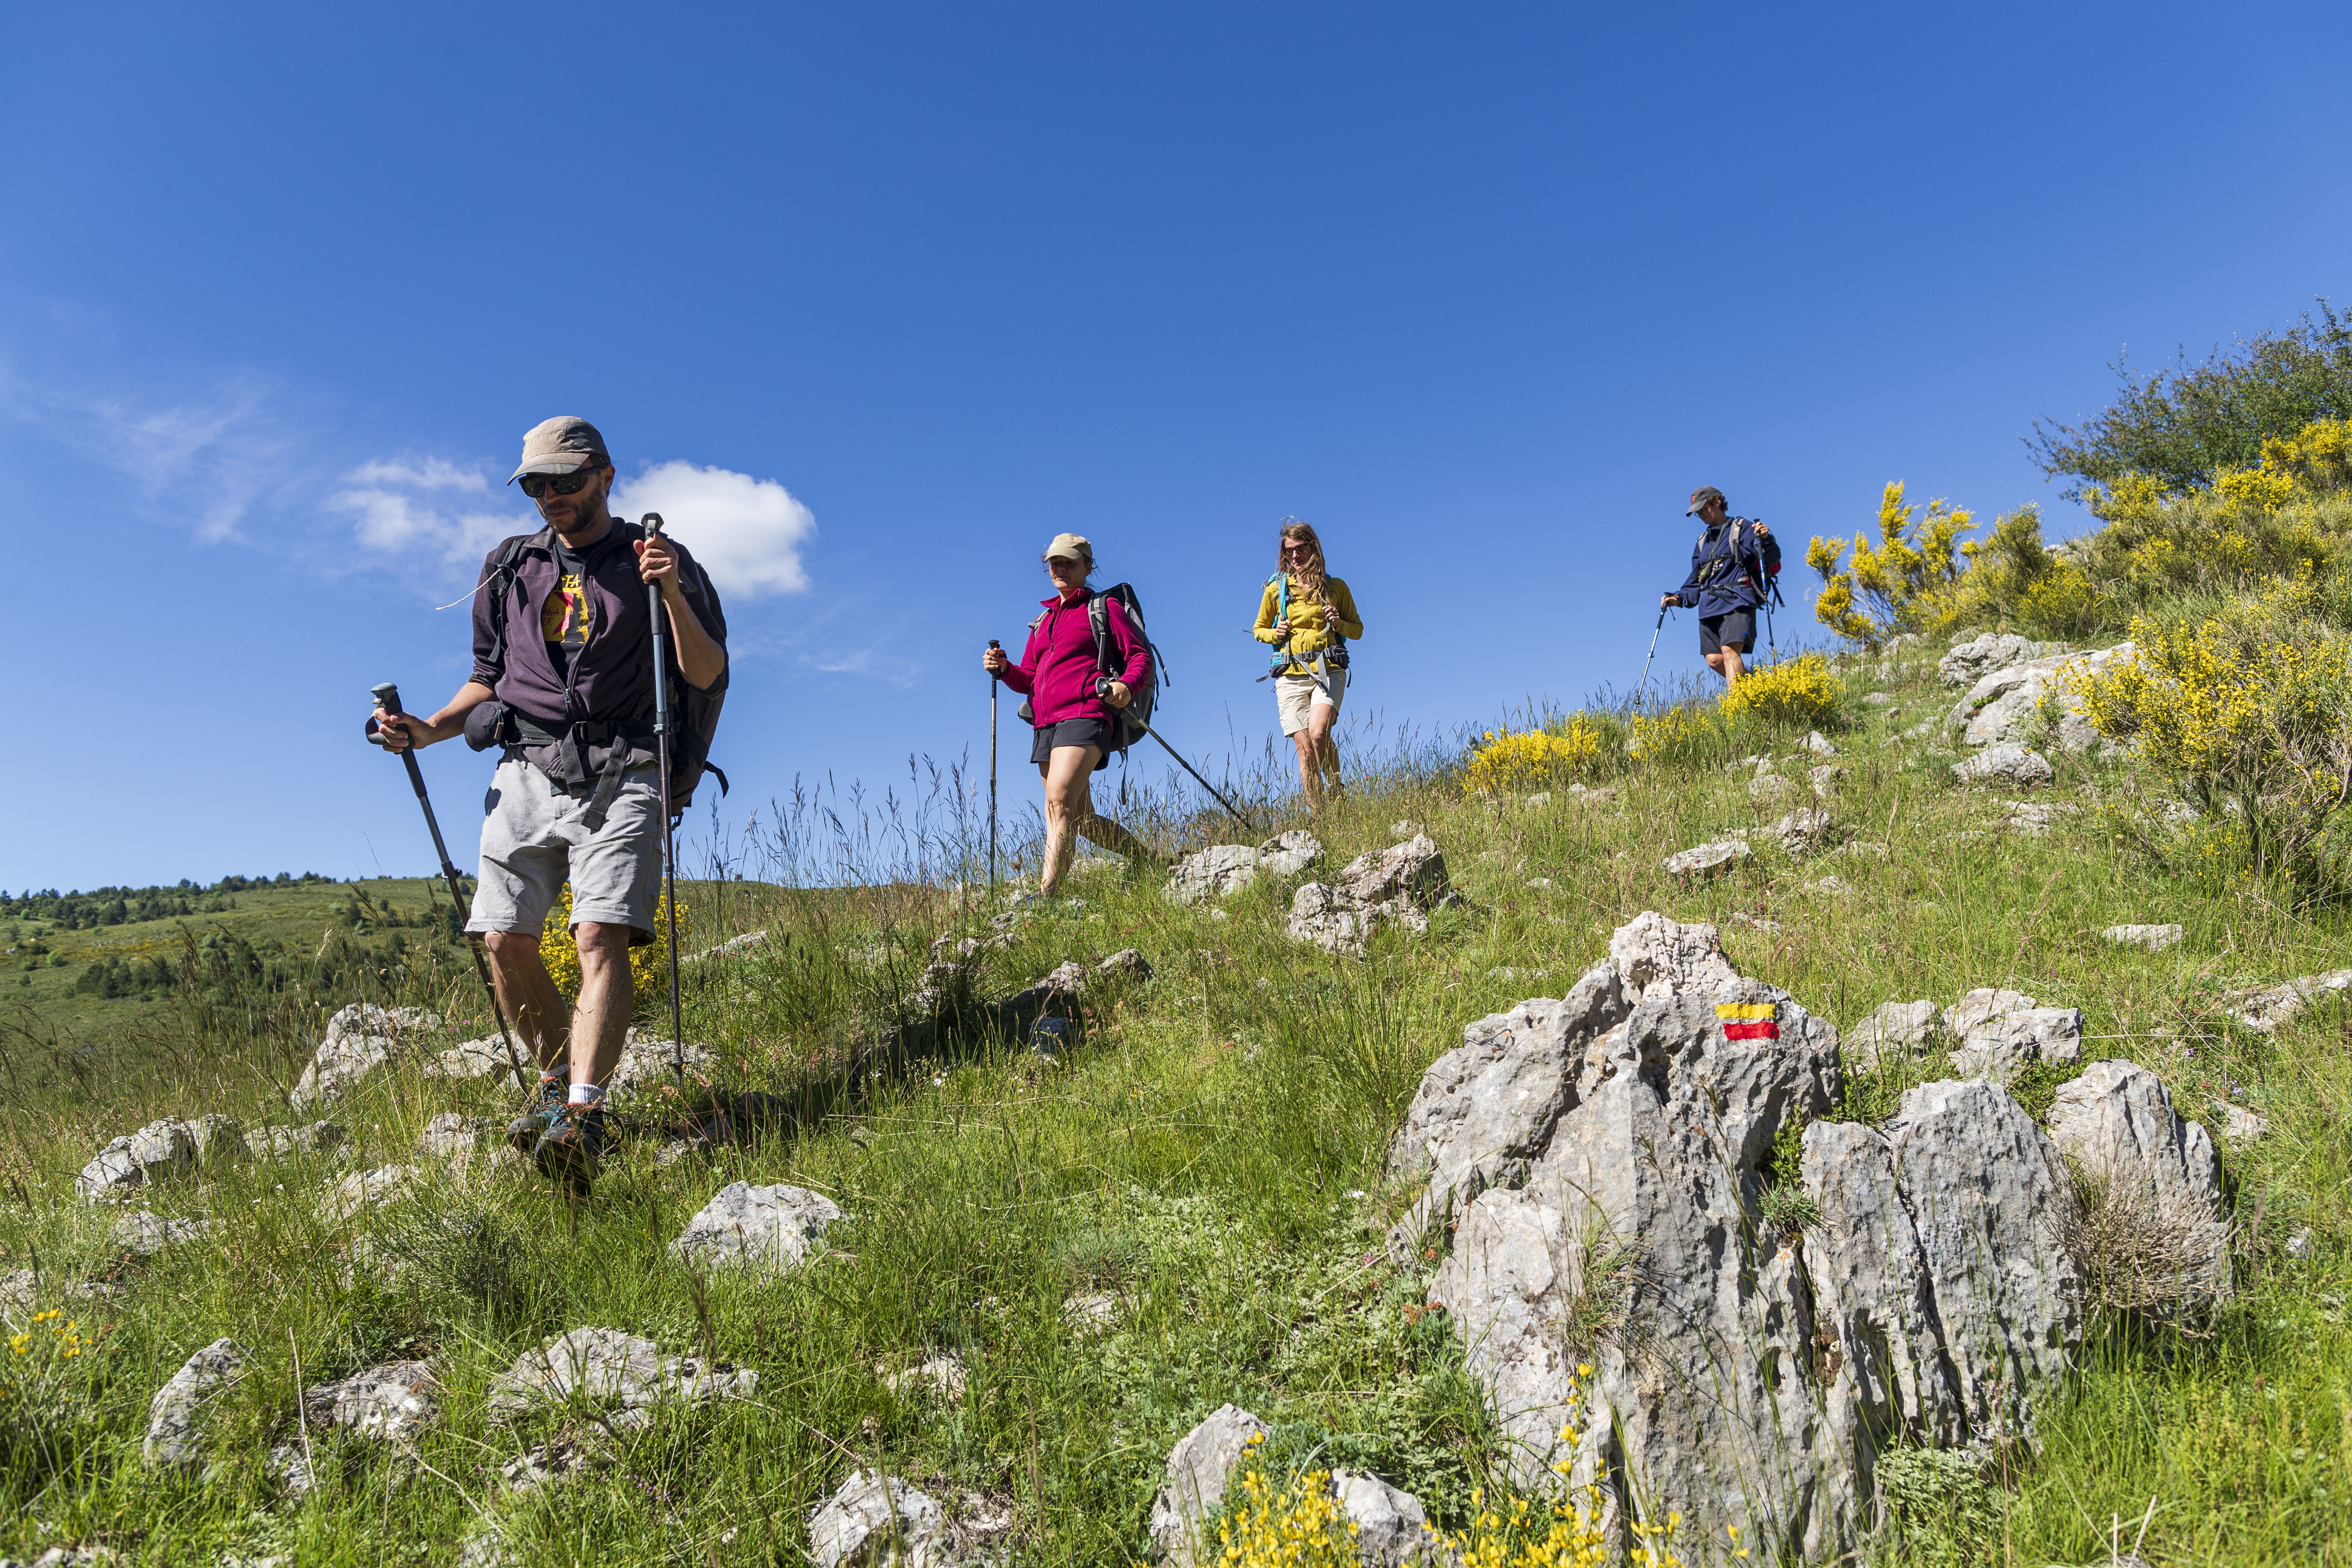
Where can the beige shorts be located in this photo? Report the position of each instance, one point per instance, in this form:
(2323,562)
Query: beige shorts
(533,842)
(1294,694)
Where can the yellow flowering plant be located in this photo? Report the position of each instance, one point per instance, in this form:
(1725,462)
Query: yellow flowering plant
(47,1382)
(1801,690)
(1505,760)
(2247,710)
(1883,591)
(649,966)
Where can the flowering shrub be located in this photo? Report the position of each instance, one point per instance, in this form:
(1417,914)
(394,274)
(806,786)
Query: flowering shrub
(2246,709)
(1885,590)
(1507,761)
(1794,691)
(649,966)
(1296,1526)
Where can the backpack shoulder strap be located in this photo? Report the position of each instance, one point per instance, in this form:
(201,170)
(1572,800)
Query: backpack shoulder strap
(1098,623)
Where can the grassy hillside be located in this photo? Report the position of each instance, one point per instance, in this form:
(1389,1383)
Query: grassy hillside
(1208,1169)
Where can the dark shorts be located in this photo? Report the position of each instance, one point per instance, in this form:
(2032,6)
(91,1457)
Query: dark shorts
(1072,733)
(1732,629)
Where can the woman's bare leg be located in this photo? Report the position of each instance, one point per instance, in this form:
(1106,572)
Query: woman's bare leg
(1321,751)
(1310,774)
(1070,808)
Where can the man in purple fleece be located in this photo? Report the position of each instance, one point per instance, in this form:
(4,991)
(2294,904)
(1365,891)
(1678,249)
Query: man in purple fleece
(1075,734)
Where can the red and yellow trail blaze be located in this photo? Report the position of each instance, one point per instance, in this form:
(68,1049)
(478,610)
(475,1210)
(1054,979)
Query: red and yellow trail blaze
(1748,1020)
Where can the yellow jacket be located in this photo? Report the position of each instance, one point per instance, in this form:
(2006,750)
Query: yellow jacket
(1311,623)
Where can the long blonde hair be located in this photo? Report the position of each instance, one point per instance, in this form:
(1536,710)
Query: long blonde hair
(1313,578)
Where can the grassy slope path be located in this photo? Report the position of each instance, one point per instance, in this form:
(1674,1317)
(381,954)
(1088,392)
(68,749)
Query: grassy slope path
(1207,1172)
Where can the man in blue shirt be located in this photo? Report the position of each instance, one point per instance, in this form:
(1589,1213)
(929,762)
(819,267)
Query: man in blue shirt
(1732,565)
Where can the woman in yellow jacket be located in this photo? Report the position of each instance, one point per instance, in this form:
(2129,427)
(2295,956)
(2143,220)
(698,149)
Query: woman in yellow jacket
(1309,615)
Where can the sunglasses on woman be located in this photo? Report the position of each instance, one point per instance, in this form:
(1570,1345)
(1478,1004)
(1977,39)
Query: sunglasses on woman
(570,484)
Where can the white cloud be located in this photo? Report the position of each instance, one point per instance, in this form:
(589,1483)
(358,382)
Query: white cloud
(747,533)
(392,515)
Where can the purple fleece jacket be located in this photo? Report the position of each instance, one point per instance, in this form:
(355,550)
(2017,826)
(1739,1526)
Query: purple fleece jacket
(1056,672)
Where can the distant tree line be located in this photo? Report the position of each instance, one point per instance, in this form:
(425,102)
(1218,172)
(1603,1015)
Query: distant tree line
(126,906)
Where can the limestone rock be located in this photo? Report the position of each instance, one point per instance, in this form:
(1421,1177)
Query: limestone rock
(871,1522)
(2117,1124)
(1198,1467)
(771,1230)
(1771,789)
(1879,699)
(941,1378)
(279,1142)
(144,1234)
(1994,650)
(2034,818)
(2000,1032)
(2006,764)
(1986,1189)
(177,1415)
(2266,1007)
(1094,1311)
(1707,860)
(607,1369)
(1486,1108)
(470,1059)
(1818,744)
(1411,873)
(2155,938)
(1895,1028)
(648,1064)
(1803,833)
(1606,1168)
(1127,964)
(360,1038)
(158,1151)
(1288,854)
(1654,956)
(454,1136)
(1391,1527)
(389,1403)
(1825,778)
(2240,1125)
(1217,872)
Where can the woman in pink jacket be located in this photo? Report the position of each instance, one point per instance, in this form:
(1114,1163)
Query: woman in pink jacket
(1057,673)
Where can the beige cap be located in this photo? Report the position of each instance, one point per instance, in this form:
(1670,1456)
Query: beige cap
(564,445)
(1070,547)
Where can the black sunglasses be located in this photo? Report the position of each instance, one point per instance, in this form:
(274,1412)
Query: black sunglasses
(570,484)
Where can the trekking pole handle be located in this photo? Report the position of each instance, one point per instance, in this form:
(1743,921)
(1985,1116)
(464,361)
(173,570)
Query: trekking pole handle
(387,702)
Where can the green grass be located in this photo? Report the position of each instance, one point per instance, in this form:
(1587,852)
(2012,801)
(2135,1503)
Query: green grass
(1212,1157)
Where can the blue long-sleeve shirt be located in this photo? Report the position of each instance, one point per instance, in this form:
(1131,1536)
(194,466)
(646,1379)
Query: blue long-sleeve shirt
(1730,565)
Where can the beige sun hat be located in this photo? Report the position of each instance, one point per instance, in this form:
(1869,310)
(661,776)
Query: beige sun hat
(1070,547)
(564,445)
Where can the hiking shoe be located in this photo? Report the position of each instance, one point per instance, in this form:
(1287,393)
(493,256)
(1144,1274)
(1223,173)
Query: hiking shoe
(539,1113)
(569,1149)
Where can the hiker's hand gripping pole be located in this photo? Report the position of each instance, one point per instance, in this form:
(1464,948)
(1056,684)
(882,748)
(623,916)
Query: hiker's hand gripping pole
(387,703)
(655,609)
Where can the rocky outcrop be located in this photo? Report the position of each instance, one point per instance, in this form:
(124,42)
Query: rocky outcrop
(179,1413)
(383,1404)
(768,1229)
(2265,1007)
(1401,885)
(143,1235)
(1602,1160)
(606,1369)
(1198,1467)
(2155,1172)
(282,1142)
(2000,1033)
(1895,1029)
(1978,656)
(2015,703)
(360,1039)
(159,1151)
(1803,833)
(1704,860)
(2006,764)
(2155,938)
(871,1522)
(1224,869)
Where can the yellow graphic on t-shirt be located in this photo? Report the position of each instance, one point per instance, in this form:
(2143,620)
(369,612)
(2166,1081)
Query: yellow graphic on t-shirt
(563,619)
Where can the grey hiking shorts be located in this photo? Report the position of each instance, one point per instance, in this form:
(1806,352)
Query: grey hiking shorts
(532,842)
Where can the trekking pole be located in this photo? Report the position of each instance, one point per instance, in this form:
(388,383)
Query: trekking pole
(992,684)
(1653,649)
(387,702)
(653,526)
(1102,686)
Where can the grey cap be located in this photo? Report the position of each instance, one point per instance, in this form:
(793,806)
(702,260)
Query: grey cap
(1699,497)
(564,445)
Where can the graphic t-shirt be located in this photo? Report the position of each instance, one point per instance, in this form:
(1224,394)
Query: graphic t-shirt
(563,619)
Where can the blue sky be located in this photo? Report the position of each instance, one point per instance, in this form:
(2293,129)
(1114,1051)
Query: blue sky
(874,299)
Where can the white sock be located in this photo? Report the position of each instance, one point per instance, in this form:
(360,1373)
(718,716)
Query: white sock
(585,1094)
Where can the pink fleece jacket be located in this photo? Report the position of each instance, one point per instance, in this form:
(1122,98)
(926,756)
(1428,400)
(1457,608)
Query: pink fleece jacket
(1056,672)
